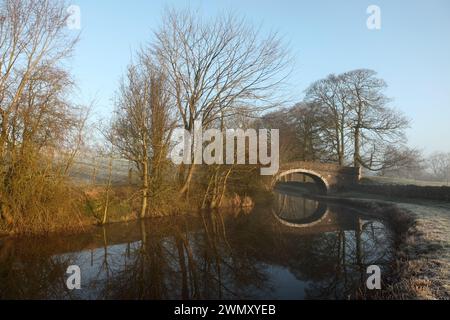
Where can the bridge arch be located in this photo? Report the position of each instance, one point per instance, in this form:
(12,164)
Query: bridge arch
(318,216)
(330,177)
(319,179)
(302,224)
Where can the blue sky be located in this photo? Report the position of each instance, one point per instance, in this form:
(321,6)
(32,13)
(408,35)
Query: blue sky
(411,51)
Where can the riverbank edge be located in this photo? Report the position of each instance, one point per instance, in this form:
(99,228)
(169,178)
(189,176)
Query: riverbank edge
(84,225)
(411,268)
(408,278)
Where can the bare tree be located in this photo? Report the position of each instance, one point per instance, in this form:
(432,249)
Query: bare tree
(142,126)
(35,115)
(439,163)
(357,120)
(301,129)
(371,121)
(328,94)
(403,162)
(308,122)
(33,42)
(218,68)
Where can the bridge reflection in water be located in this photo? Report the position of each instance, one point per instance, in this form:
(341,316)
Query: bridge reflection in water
(312,216)
(223,255)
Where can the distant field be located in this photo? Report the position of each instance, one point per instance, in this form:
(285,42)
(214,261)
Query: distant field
(401,181)
(83,170)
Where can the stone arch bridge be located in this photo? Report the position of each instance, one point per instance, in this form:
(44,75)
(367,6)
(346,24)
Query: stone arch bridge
(329,177)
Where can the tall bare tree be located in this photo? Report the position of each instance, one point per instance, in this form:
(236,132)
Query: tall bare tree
(328,94)
(371,121)
(307,121)
(142,125)
(357,122)
(218,68)
(35,115)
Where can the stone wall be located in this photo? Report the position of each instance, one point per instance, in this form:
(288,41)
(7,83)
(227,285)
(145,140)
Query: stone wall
(405,191)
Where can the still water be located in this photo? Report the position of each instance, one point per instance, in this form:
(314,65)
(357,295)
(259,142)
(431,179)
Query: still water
(299,248)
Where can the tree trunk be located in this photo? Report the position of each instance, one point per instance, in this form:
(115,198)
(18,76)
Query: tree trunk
(145,185)
(108,187)
(3,132)
(224,188)
(356,156)
(339,146)
(342,148)
(185,188)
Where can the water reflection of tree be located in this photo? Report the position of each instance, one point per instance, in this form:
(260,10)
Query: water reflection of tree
(183,264)
(344,257)
(27,273)
(228,259)
(139,274)
(213,256)
(234,275)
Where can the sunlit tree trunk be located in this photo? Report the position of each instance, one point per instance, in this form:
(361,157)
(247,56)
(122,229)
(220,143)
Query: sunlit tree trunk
(108,189)
(145,185)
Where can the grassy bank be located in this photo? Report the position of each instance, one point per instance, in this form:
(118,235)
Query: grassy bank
(421,270)
(96,205)
(401,181)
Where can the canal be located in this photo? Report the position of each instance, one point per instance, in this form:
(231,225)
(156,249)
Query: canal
(297,248)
